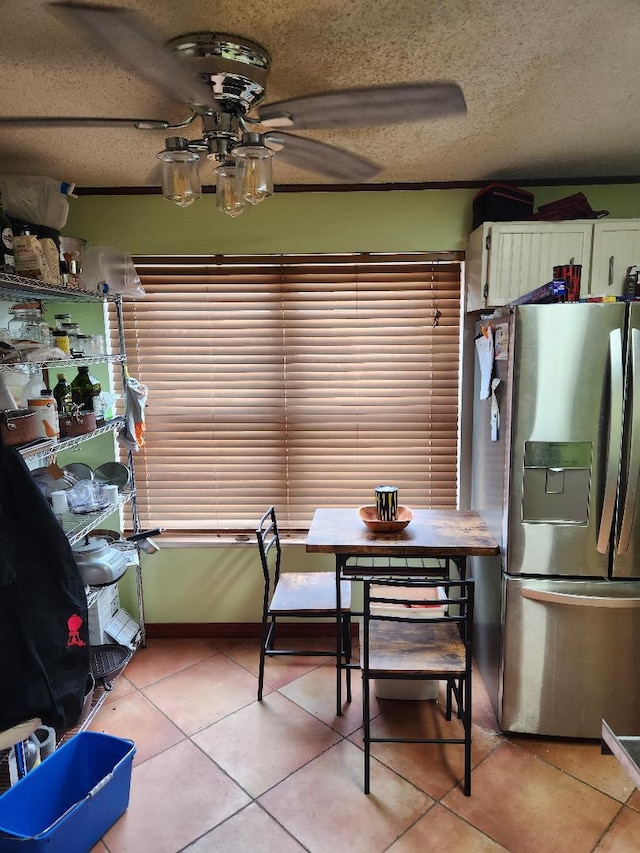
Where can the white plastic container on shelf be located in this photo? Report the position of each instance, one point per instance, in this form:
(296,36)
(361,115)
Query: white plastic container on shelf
(36,199)
(32,388)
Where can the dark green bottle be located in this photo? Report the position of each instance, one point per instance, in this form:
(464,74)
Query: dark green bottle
(85,392)
(62,394)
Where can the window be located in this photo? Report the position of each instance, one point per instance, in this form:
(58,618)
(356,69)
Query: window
(298,381)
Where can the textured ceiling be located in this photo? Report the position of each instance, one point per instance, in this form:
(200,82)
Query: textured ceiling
(552,86)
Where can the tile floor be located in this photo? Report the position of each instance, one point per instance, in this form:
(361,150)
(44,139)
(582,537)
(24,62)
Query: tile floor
(217,772)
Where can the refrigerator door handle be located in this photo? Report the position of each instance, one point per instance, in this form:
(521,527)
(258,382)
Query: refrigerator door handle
(544,595)
(633,470)
(614,440)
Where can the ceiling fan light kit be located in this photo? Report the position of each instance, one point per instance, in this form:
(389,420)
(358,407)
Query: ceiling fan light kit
(229,198)
(222,79)
(254,171)
(180,178)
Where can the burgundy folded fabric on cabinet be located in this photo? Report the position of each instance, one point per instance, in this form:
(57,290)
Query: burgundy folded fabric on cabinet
(574,206)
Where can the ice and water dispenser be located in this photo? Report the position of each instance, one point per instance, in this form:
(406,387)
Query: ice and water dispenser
(557,480)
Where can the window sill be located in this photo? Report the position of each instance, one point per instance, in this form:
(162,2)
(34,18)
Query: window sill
(226,541)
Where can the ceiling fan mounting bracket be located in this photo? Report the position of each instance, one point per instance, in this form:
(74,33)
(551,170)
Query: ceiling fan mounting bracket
(235,67)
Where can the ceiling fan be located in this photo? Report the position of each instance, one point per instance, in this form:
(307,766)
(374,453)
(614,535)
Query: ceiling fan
(222,78)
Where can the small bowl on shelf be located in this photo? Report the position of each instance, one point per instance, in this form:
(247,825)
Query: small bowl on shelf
(369,516)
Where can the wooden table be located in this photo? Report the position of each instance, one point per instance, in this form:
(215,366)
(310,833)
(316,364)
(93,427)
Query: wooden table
(448,535)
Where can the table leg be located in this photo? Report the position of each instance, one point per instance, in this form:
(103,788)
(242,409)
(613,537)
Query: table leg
(461,563)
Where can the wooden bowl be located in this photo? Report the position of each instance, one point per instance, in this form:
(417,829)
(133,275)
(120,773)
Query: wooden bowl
(368,515)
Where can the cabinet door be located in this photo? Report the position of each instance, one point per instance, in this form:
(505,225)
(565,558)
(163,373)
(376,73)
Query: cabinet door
(616,247)
(476,265)
(522,255)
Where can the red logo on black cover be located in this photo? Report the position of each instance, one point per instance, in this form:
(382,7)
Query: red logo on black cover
(74,623)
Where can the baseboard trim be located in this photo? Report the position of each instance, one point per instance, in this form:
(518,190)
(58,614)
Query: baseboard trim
(225,630)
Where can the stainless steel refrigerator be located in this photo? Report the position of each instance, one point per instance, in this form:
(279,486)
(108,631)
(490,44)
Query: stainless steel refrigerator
(558,614)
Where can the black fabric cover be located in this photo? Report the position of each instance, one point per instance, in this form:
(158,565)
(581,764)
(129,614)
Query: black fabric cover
(501,203)
(44,633)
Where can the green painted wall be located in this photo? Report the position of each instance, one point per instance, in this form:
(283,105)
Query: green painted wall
(224,584)
(429,220)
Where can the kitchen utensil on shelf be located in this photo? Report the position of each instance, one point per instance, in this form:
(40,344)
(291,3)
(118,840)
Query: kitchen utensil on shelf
(113,474)
(86,496)
(99,563)
(59,503)
(79,470)
(77,423)
(48,483)
(128,543)
(18,426)
(108,660)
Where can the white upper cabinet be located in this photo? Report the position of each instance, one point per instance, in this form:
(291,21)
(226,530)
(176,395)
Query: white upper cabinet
(616,247)
(505,260)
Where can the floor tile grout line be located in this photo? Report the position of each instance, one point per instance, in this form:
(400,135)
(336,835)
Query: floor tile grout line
(472,825)
(567,772)
(501,739)
(173,672)
(266,681)
(610,826)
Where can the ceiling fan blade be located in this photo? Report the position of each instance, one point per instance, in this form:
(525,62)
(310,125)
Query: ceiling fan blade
(368,107)
(89,121)
(318,157)
(122,34)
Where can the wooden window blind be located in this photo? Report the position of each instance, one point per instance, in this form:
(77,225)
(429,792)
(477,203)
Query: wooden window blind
(297,381)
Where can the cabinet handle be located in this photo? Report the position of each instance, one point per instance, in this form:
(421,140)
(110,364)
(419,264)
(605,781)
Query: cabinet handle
(572,261)
(611,259)
(485,291)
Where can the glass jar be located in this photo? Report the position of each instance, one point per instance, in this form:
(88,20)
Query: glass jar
(99,344)
(73,331)
(27,324)
(61,341)
(84,345)
(62,318)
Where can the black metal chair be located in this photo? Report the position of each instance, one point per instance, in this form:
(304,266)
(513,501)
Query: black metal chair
(402,639)
(304,595)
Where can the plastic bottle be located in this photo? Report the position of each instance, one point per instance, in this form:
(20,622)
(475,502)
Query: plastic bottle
(37,199)
(32,389)
(31,752)
(46,414)
(7,400)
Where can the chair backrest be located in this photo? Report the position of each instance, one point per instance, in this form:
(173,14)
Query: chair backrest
(270,551)
(420,601)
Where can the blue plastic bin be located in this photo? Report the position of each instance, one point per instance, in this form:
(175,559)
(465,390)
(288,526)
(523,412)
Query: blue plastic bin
(68,802)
